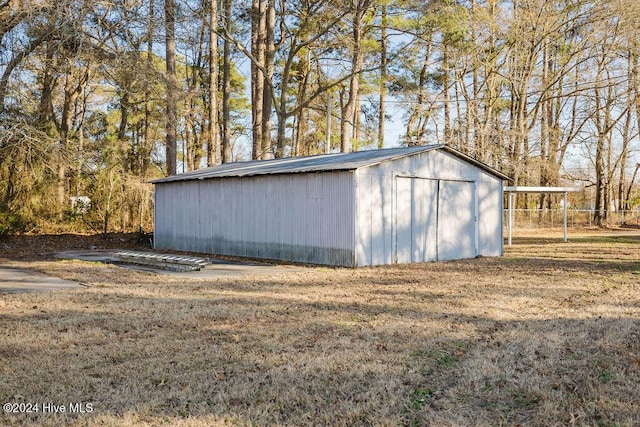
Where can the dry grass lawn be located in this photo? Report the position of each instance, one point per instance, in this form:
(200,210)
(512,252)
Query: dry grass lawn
(549,335)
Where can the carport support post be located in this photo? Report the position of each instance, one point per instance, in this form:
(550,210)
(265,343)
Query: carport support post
(565,216)
(549,190)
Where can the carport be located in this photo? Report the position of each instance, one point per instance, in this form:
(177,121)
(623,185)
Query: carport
(537,190)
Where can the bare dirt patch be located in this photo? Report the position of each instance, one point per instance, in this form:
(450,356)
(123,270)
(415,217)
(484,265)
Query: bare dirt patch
(548,335)
(44,246)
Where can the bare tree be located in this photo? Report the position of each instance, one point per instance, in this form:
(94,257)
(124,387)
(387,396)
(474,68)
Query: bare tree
(258,46)
(226,87)
(171,105)
(213,145)
(360,8)
(383,74)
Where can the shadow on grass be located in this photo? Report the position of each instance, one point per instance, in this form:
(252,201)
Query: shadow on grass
(426,344)
(285,359)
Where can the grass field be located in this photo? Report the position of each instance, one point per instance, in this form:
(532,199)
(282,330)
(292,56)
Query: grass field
(549,335)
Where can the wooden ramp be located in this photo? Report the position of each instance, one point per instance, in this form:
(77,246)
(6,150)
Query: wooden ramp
(162,261)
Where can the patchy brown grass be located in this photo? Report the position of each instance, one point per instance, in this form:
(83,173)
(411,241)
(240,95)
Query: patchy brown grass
(548,335)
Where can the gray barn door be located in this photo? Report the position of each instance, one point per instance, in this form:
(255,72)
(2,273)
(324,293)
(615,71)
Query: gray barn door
(434,220)
(416,220)
(456,220)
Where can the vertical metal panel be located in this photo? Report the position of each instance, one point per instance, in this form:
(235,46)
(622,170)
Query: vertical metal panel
(424,220)
(298,217)
(403,233)
(272,229)
(388,207)
(489,221)
(376,215)
(189,196)
(416,219)
(160,228)
(363,218)
(456,220)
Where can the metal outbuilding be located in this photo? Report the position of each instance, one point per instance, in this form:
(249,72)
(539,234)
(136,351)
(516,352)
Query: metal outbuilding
(397,205)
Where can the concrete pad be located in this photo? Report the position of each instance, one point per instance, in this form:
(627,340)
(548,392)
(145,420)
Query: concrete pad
(95,255)
(217,268)
(14,280)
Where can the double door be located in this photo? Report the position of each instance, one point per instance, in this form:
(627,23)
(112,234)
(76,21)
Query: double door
(435,220)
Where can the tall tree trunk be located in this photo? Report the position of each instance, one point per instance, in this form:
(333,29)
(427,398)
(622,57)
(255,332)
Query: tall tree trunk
(258,39)
(599,215)
(446,95)
(489,141)
(45,108)
(146,145)
(383,76)
(124,115)
(226,88)
(624,154)
(213,144)
(171,105)
(601,186)
(477,148)
(267,98)
(357,61)
(189,138)
(71,93)
(123,146)
(544,130)
(80,160)
(355,145)
(457,131)
(301,122)
(414,133)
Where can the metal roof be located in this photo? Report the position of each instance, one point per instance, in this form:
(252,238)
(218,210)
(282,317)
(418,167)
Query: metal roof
(320,163)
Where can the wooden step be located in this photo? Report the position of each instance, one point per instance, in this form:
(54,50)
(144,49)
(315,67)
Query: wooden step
(162,261)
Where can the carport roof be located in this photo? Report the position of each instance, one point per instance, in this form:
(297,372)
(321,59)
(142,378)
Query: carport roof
(548,190)
(320,163)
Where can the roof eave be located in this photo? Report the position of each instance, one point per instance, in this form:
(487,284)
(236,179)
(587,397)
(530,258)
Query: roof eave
(477,163)
(244,172)
(180,178)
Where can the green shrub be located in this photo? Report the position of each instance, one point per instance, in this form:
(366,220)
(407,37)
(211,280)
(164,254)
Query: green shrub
(15,223)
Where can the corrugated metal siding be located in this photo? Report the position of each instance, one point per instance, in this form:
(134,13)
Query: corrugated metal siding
(377,214)
(490,240)
(302,217)
(457,224)
(325,217)
(374,218)
(416,222)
